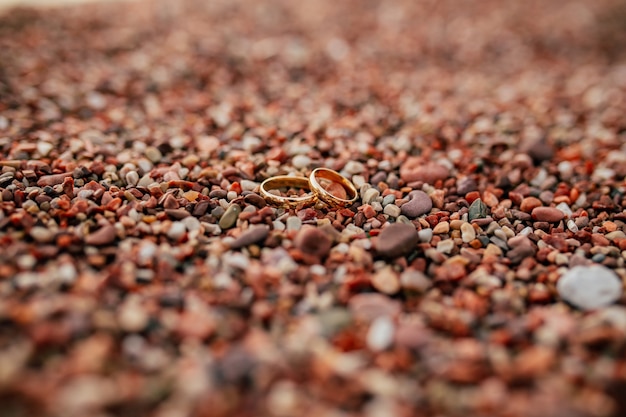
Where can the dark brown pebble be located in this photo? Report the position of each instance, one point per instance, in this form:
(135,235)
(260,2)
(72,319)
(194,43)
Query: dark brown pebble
(253,235)
(313,241)
(177,214)
(397,240)
(255,200)
(218,194)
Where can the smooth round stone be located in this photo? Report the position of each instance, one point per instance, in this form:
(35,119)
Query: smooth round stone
(547,214)
(590,287)
(386,281)
(313,241)
(420,203)
(389,199)
(396,240)
(230,216)
(425,235)
(301,161)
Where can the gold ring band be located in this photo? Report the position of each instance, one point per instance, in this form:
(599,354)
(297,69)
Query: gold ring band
(326,196)
(287,181)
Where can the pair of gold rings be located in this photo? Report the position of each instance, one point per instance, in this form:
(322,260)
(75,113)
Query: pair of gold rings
(318,186)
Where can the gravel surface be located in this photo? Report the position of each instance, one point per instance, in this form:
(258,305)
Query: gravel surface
(479,273)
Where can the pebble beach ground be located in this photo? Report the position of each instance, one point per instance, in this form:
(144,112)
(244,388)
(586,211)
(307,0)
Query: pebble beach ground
(479,273)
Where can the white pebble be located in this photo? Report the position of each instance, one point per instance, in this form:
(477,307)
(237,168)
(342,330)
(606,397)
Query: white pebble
(176,230)
(247,185)
(354,167)
(301,161)
(392,210)
(565,209)
(370,195)
(590,287)
(380,334)
(132,178)
(425,235)
(231,195)
(445,246)
(294,223)
(571,226)
(358,181)
(467,232)
(278,225)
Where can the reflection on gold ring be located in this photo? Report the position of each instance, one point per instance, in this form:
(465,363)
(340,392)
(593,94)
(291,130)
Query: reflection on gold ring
(287,181)
(325,195)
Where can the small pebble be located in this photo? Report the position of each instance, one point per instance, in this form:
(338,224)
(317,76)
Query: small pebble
(441,228)
(392,210)
(230,216)
(477,210)
(547,214)
(176,231)
(468,233)
(397,240)
(419,203)
(445,246)
(425,235)
(103,236)
(294,223)
(380,334)
(313,241)
(590,287)
(253,235)
(386,281)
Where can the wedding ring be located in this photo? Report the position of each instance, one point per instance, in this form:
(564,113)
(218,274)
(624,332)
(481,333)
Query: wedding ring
(327,197)
(287,181)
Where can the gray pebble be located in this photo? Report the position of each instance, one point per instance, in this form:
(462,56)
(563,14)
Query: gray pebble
(477,210)
(230,216)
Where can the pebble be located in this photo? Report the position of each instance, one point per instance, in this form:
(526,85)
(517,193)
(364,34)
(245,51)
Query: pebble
(301,161)
(41,234)
(313,241)
(294,223)
(103,236)
(441,228)
(380,334)
(477,210)
(386,281)
(419,203)
(176,231)
(132,178)
(547,214)
(468,233)
(445,246)
(369,306)
(389,199)
(530,203)
(253,235)
(425,235)
(392,210)
(590,287)
(370,195)
(414,169)
(413,280)
(230,216)
(397,240)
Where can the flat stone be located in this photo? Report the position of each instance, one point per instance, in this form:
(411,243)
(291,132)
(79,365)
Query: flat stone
(590,287)
(396,240)
(547,214)
(468,233)
(53,179)
(419,203)
(253,235)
